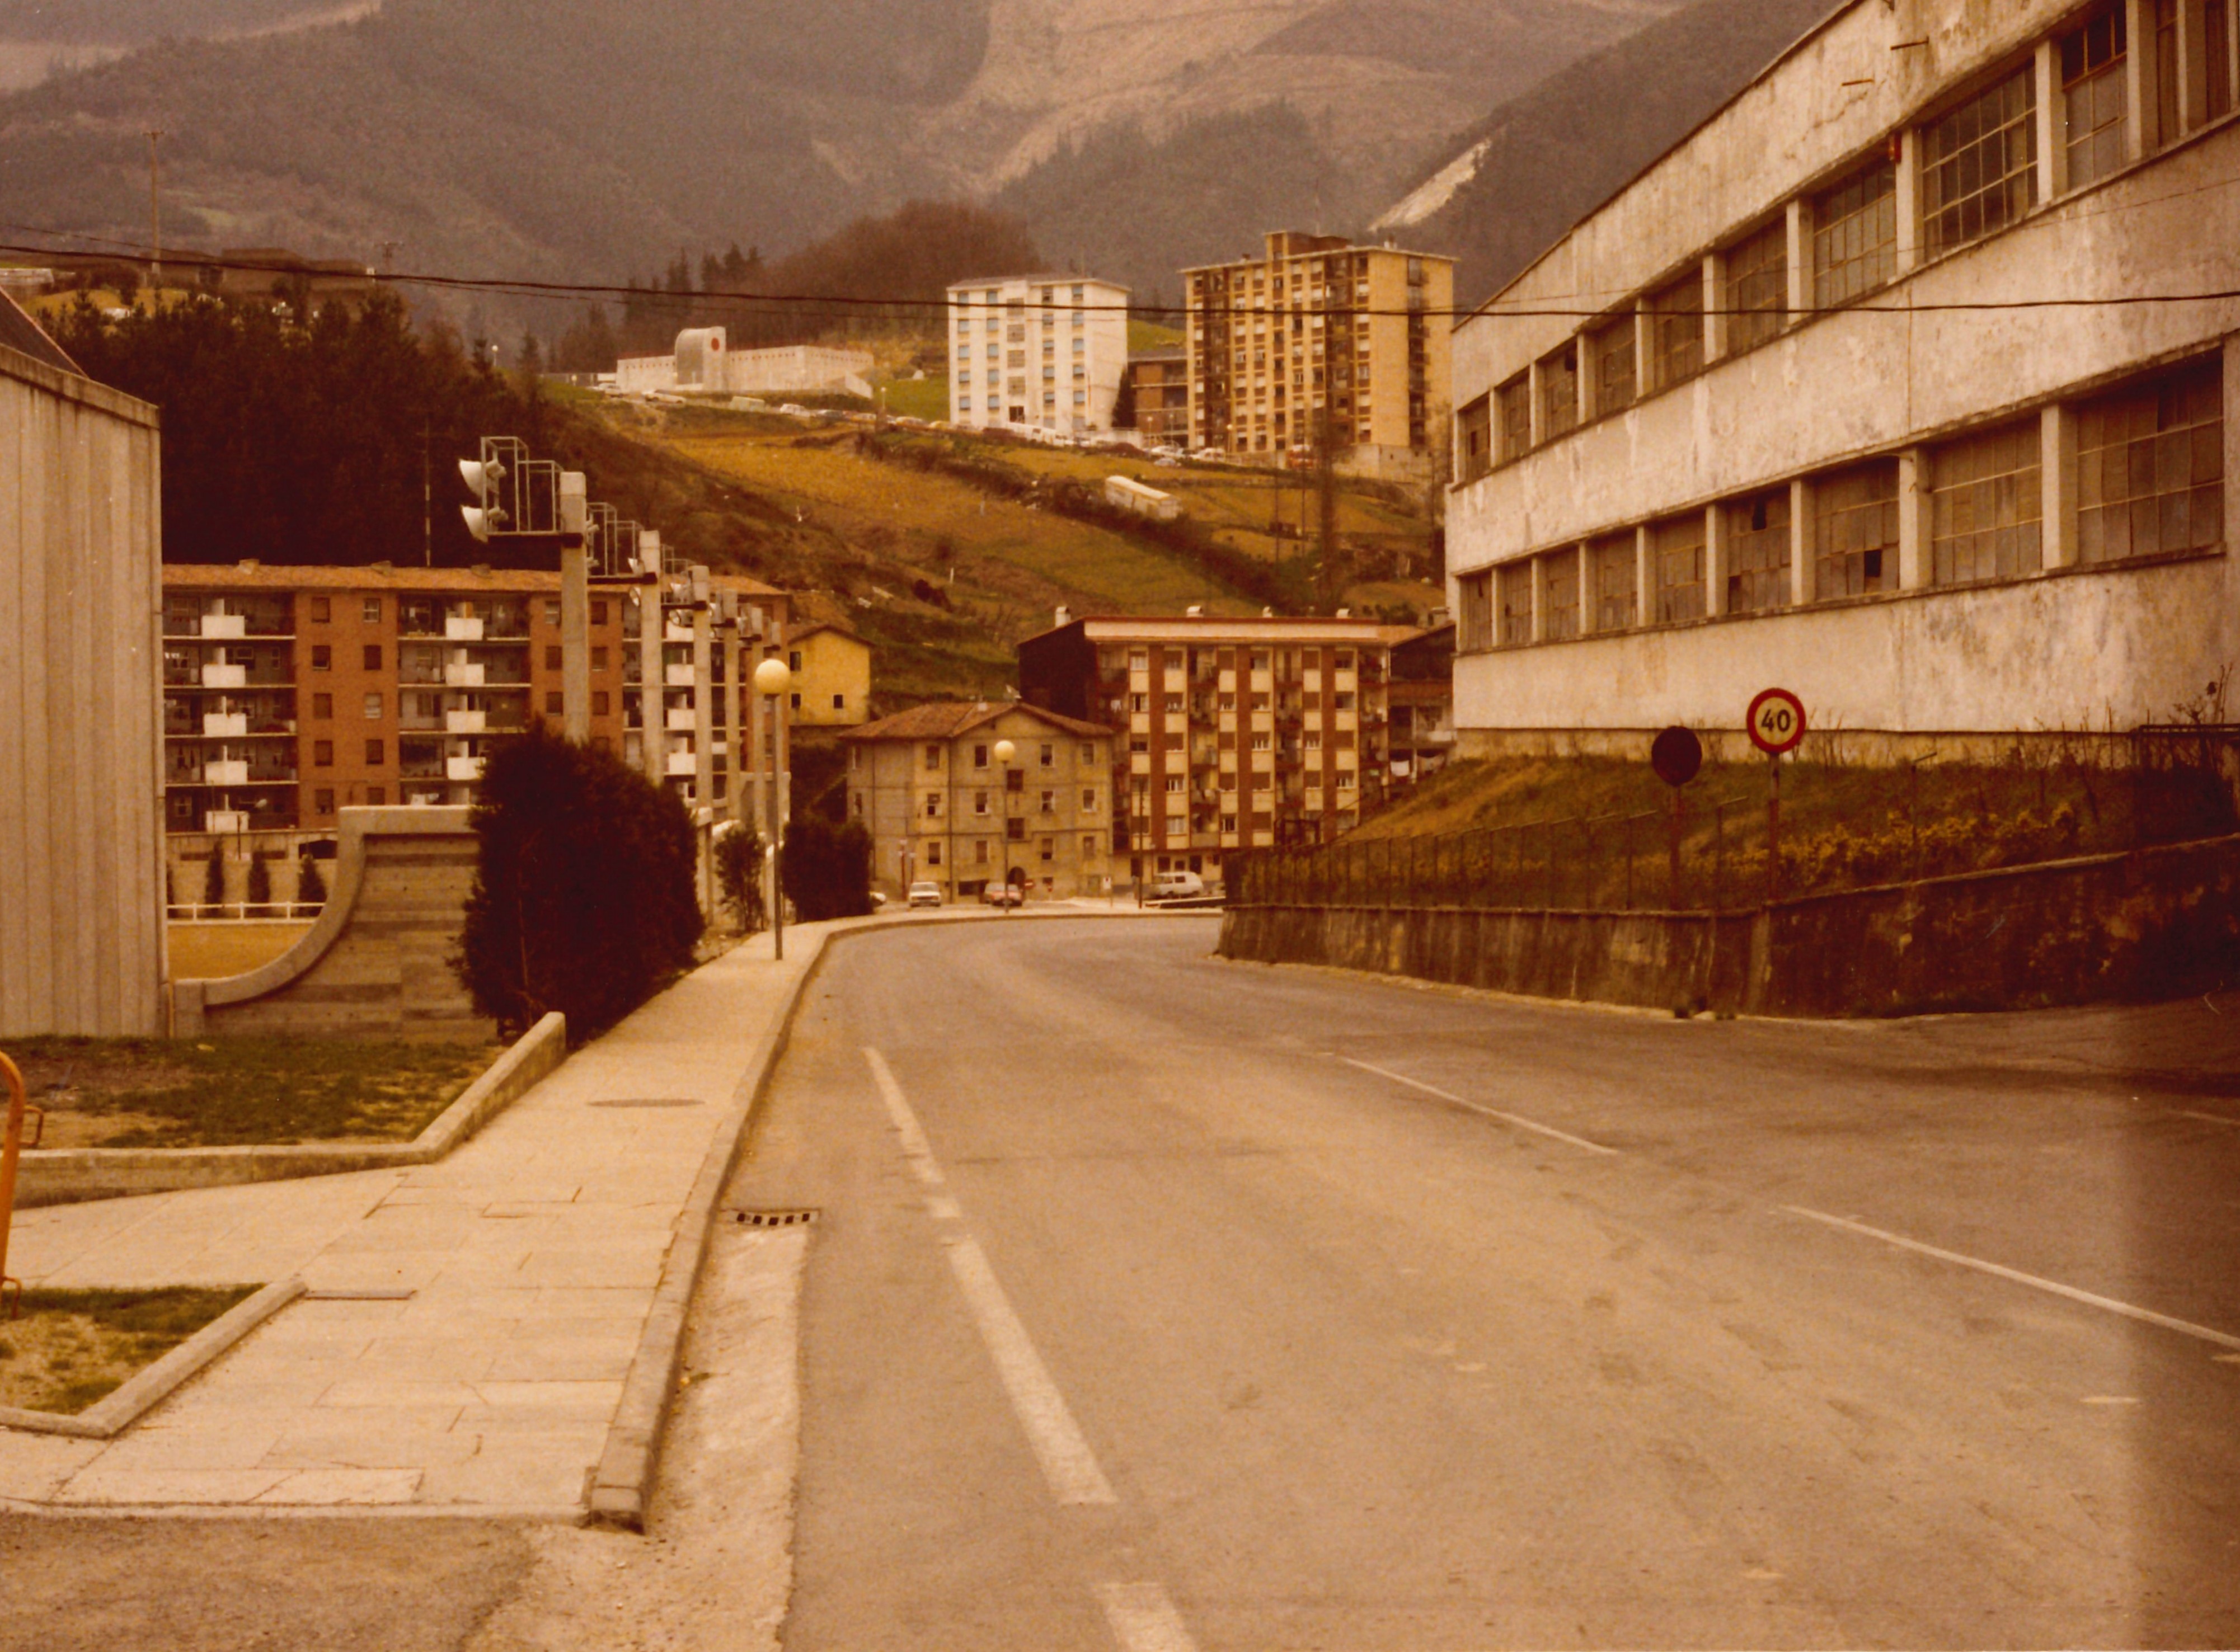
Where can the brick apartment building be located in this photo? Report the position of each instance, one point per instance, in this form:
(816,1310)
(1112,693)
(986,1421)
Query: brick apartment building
(1232,733)
(1322,328)
(941,806)
(290,693)
(1159,380)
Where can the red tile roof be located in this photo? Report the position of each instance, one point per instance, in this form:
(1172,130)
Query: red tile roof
(945,720)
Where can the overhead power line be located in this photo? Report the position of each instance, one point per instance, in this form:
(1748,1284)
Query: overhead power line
(838,306)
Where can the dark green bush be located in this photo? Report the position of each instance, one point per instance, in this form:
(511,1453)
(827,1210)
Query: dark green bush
(585,899)
(739,874)
(311,887)
(828,869)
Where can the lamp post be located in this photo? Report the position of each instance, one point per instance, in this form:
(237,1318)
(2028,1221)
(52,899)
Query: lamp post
(1004,752)
(772,681)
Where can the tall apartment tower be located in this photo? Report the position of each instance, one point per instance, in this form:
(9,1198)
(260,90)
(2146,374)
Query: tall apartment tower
(1322,329)
(1036,353)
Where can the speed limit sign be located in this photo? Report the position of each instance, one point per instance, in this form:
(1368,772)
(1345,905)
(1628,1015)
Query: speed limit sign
(1776,721)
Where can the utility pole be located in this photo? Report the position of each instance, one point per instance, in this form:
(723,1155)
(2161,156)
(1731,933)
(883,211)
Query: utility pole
(155,137)
(1326,481)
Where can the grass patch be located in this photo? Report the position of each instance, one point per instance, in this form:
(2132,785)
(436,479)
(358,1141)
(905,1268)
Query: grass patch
(213,951)
(918,398)
(72,1348)
(240,1092)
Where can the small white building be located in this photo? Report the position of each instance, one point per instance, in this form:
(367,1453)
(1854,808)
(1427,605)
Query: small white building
(1128,494)
(1903,382)
(1044,353)
(704,363)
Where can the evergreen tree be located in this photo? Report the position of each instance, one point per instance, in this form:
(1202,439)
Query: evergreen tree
(214,878)
(311,887)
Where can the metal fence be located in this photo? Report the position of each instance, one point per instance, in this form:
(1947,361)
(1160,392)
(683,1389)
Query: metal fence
(1835,829)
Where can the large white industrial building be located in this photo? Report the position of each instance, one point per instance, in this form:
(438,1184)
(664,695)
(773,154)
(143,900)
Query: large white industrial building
(1892,384)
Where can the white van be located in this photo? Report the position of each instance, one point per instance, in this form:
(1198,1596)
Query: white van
(1176,886)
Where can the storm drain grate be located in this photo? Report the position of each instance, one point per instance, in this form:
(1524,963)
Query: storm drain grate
(773,1218)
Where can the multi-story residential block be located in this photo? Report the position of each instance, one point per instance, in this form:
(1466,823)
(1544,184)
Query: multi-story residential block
(1422,701)
(831,678)
(1322,335)
(289,693)
(931,786)
(1913,391)
(1036,353)
(1160,382)
(1232,733)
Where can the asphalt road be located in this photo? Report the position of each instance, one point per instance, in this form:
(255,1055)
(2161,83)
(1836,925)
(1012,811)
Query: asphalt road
(1159,1302)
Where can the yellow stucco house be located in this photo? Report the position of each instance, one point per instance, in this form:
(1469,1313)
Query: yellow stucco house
(831,678)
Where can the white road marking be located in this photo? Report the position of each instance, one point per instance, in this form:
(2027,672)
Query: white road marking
(1144,1619)
(915,1148)
(1067,1463)
(2184,1328)
(2210,1118)
(1490,1112)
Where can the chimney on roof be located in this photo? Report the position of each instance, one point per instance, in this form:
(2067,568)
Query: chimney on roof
(482,570)
(1267,613)
(1345,613)
(1064,616)
(385,568)
(248,565)
(1195,610)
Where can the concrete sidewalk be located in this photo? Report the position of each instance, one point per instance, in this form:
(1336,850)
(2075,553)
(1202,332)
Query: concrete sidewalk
(469,1324)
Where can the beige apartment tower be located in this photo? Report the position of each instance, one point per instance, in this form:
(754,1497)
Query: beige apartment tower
(1320,330)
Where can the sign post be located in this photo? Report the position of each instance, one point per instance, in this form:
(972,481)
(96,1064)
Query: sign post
(1677,757)
(1777,728)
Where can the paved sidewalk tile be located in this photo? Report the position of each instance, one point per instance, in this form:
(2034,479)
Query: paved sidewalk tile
(531,1254)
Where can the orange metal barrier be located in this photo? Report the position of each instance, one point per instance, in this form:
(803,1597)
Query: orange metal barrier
(11,1148)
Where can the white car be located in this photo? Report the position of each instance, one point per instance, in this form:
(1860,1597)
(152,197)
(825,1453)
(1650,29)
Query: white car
(925,894)
(1176,886)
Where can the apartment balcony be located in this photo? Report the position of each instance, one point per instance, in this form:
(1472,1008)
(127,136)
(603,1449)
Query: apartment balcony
(465,768)
(225,725)
(223,627)
(458,675)
(681,719)
(676,677)
(466,723)
(672,632)
(420,768)
(217,673)
(226,771)
(682,764)
(459,627)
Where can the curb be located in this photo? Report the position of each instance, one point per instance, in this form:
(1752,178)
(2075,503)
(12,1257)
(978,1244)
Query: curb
(77,1176)
(120,1410)
(622,1488)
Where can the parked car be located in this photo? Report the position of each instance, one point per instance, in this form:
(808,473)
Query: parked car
(1002,894)
(1176,886)
(925,894)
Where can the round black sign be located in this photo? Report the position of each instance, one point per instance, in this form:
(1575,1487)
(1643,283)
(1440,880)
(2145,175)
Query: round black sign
(1677,757)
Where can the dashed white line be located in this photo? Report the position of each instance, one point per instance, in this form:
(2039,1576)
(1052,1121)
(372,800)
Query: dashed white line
(1521,1123)
(1067,1462)
(915,1148)
(2184,1328)
(1144,1619)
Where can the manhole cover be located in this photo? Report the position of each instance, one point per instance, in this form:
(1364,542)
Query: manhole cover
(646,1102)
(773,1218)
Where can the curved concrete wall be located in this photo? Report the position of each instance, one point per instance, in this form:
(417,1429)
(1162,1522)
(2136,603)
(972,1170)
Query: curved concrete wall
(377,963)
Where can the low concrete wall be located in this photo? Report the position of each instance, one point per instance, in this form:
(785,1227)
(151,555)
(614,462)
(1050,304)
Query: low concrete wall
(2160,922)
(377,963)
(73,1175)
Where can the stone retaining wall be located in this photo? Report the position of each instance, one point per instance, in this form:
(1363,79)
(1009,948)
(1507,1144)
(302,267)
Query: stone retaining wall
(2156,923)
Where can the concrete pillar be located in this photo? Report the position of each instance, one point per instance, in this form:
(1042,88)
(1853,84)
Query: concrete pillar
(1539,599)
(704,695)
(1589,590)
(1913,547)
(1534,384)
(750,656)
(2192,66)
(1800,258)
(2053,126)
(576,642)
(653,741)
(2057,477)
(1645,577)
(735,739)
(1644,349)
(1717,550)
(1909,199)
(1800,541)
(1715,304)
(2139,78)
(1583,376)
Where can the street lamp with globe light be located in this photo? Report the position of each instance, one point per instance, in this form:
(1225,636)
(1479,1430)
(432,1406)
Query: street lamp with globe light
(1004,752)
(772,679)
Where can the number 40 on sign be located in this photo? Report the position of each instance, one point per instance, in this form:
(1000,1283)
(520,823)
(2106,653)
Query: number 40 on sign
(1776,721)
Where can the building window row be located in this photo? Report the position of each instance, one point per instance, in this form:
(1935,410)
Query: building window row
(1981,165)
(2135,471)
